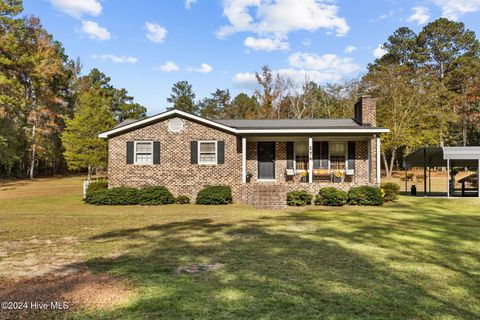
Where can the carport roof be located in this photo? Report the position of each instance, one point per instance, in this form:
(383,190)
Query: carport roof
(437,157)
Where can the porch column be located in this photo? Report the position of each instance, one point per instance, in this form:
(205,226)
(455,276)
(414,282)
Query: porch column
(244,160)
(310,160)
(379,167)
(369,160)
(448,178)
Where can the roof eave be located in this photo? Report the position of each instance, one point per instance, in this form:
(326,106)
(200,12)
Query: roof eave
(324,130)
(127,127)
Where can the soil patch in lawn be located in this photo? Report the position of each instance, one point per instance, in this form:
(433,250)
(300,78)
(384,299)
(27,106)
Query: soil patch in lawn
(81,291)
(33,257)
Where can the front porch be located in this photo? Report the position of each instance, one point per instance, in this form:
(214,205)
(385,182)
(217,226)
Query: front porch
(300,161)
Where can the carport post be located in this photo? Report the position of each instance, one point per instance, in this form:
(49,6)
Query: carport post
(448,178)
(424,172)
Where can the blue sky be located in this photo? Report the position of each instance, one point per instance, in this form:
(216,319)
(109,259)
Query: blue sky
(147,46)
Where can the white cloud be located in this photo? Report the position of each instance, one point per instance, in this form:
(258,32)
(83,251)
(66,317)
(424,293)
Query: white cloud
(94,31)
(329,63)
(420,15)
(245,80)
(305,66)
(114,58)
(383,16)
(454,9)
(307,42)
(379,51)
(204,68)
(189,3)
(266,44)
(297,76)
(350,49)
(169,66)
(77,8)
(278,18)
(155,32)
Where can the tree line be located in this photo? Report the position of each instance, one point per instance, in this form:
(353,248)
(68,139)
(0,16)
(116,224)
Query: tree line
(427,87)
(50,115)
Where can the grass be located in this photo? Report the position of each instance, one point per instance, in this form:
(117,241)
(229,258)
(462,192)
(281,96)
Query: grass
(414,259)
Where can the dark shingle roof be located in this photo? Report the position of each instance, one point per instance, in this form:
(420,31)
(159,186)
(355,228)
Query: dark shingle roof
(125,122)
(291,124)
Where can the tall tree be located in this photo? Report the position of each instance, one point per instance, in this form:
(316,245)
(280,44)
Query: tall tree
(271,92)
(215,106)
(242,107)
(183,97)
(83,148)
(442,42)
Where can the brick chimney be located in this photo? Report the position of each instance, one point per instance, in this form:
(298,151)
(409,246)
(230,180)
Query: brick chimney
(366,111)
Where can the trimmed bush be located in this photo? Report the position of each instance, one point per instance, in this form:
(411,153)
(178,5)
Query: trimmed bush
(155,195)
(182,200)
(331,196)
(392,190)
(97,185)
(365,196)
(299,198)
(214,195)
(114,197)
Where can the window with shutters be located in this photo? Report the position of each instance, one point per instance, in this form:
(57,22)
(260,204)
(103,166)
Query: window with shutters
(207,152)
(143,152)
(338,151)
(301,155)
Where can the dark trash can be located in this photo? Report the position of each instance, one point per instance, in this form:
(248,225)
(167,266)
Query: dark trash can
(413,190)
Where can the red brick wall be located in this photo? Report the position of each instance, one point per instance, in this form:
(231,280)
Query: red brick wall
(183,178)
(175,170)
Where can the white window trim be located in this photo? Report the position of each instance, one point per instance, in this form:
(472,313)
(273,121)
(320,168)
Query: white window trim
(135,152)
(346,153)
(295,154)
(216,152)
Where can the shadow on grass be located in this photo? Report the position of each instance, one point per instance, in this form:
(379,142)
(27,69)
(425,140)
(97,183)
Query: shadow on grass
(311,264)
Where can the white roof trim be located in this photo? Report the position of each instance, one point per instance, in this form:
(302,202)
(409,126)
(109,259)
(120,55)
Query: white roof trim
(160,116)
(372,130)
(461,153)
(106,134)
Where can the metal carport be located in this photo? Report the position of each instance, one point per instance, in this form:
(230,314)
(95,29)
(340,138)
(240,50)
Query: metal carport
(448,157)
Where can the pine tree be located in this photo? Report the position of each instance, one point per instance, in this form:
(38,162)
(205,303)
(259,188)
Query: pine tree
(83,148)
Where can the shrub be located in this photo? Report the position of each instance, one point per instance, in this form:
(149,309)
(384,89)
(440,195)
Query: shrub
(97,185)
(365,196)
(155,195)
(410,176)
(114,196)
(299,198)
(392,190)
(331,196)
(182,200)
(215,195)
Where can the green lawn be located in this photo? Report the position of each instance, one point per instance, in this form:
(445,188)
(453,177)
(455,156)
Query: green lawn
(414,259)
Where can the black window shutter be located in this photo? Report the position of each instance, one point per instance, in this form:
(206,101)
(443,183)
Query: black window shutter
(316,155)
(130,151)
(193,152)
(290,155)
(156,152)
(221,152)
(324,156)
(351,154)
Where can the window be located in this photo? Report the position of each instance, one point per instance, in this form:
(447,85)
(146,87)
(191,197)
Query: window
(143,152)
(207,152)
(301,155)
(337,155)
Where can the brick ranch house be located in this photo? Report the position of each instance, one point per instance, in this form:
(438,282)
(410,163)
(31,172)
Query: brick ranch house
(185,153)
